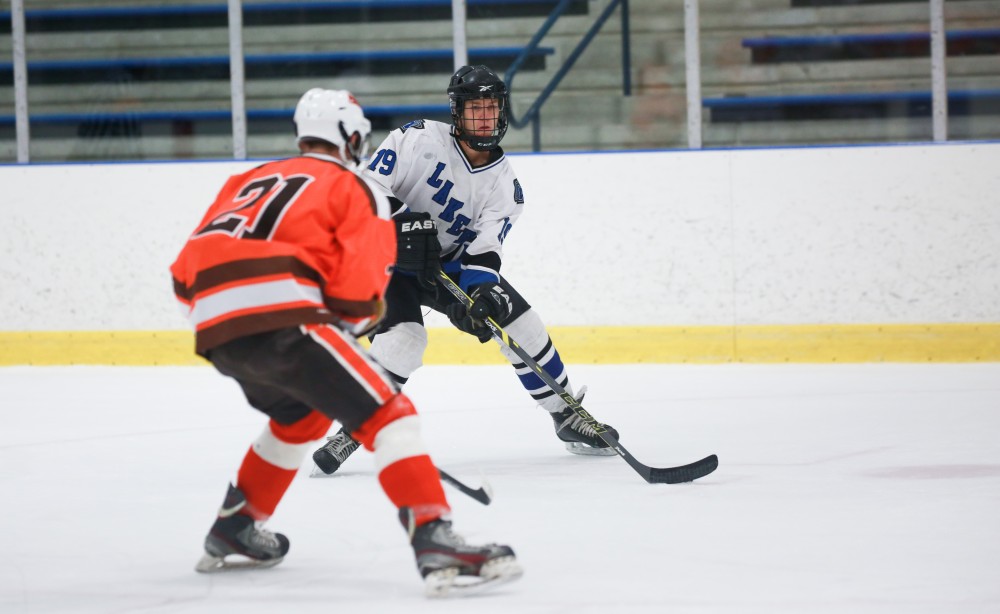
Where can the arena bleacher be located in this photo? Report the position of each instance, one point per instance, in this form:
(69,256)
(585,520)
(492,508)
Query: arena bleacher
(149,79)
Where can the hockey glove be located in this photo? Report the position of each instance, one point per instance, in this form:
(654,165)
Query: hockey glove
(461,319)
(488,301)
(417,248)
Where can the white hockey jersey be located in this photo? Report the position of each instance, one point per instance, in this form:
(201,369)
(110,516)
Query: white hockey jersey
(422,165)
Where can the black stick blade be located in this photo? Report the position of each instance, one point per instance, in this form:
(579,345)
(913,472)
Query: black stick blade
(483,494)
(684,473)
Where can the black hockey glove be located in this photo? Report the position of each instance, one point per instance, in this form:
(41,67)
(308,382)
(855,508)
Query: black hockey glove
(461,319)
(488,300)
(417,248)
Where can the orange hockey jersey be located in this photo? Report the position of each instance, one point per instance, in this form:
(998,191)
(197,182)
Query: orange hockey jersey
(296,241)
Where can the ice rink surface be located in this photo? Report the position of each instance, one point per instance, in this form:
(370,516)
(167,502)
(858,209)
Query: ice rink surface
(841,488)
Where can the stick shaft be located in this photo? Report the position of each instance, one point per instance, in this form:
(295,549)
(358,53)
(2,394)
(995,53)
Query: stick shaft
(503,338)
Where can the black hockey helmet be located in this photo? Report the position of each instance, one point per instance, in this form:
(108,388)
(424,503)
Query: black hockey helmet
(471,83)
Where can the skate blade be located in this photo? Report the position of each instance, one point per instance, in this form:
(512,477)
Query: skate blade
(214,564)
(316,472)
(447,583)
(584,450)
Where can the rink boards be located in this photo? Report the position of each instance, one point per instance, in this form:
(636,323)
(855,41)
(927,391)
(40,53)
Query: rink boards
(835,254)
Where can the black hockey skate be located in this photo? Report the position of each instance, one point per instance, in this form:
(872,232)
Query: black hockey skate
(450,567)
(580,437)
(237,534)
(334,452)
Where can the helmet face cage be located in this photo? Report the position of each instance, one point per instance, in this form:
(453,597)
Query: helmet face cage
(478,83)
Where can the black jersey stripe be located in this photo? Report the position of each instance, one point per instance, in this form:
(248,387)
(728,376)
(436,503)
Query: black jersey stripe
(244,269)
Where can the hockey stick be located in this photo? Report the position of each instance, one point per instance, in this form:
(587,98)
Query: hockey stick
(653,475)
(483,494)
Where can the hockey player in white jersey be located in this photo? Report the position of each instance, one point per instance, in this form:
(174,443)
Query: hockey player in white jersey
(458,176)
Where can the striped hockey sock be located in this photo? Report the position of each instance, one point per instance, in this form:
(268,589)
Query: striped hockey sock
(272,461)
(405,469)
(529,332)
(548,358)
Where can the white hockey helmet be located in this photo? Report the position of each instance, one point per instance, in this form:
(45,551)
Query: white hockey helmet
(333,116)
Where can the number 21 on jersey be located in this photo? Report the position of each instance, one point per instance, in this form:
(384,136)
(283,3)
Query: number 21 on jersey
(261,203)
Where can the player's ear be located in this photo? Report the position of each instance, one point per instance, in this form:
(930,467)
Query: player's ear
(355,141)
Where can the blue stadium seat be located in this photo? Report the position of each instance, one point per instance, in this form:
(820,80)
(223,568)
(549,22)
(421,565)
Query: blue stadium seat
(815,3)
(774,49)
(273,14)
(270,66)
(384,117)
(847,106)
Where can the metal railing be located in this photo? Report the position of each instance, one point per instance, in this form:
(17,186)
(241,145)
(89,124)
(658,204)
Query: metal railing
(533,115)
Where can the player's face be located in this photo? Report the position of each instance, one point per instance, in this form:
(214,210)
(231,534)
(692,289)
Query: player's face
(479,116)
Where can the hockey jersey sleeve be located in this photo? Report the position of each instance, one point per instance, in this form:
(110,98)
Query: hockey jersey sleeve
(367,242)
(384,167)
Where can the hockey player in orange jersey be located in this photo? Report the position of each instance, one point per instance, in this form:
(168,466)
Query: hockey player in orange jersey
(288,266)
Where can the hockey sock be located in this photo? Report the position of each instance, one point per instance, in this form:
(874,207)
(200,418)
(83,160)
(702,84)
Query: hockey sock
(530,334)
(405,469)
(414,483)
(272,461)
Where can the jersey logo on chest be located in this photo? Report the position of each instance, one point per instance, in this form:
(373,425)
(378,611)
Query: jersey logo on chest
(443,195)
(450,205)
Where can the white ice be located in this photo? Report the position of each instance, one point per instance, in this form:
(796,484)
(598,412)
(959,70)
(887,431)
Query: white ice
(841,488)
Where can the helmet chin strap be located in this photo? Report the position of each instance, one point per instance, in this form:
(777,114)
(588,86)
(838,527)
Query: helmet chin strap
(473,142)
(352,152)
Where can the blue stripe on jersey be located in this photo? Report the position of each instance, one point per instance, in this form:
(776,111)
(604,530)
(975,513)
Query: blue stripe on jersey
(452,268)
(474,277)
